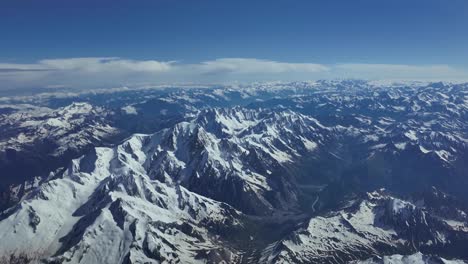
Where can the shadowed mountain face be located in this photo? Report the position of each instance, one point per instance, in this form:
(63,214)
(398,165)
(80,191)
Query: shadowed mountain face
(374,224)
(289,177)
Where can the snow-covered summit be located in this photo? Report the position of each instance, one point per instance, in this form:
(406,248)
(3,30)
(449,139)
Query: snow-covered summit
(226,151)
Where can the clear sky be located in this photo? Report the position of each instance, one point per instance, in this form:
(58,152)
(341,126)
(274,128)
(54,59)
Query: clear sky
(51,43)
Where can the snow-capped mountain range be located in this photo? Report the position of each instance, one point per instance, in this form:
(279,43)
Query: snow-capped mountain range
(292,176)
(70,127)
(36,140)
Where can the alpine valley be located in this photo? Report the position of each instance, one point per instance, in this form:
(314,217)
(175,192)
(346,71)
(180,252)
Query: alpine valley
(345,171)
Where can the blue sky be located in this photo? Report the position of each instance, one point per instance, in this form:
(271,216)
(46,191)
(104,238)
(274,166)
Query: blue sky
(112,43)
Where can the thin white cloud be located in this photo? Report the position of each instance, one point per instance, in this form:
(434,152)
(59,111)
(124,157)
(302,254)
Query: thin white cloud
(96,65)
(89,65)
(99,72)
(253,66)
(89,72)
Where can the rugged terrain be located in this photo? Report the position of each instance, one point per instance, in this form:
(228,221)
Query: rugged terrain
(322,172)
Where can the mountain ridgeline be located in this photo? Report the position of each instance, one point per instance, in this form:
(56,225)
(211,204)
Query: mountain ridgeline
(319,172)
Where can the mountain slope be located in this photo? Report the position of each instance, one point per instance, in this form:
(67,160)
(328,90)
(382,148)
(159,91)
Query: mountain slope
(107,210)
(237,156)
(378,224)
(36,140)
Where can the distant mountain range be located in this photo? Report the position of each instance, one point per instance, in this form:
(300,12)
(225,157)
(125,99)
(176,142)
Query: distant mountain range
(303,172)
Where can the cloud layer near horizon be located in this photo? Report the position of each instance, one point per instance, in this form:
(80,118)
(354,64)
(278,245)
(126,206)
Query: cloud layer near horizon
(95,72)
